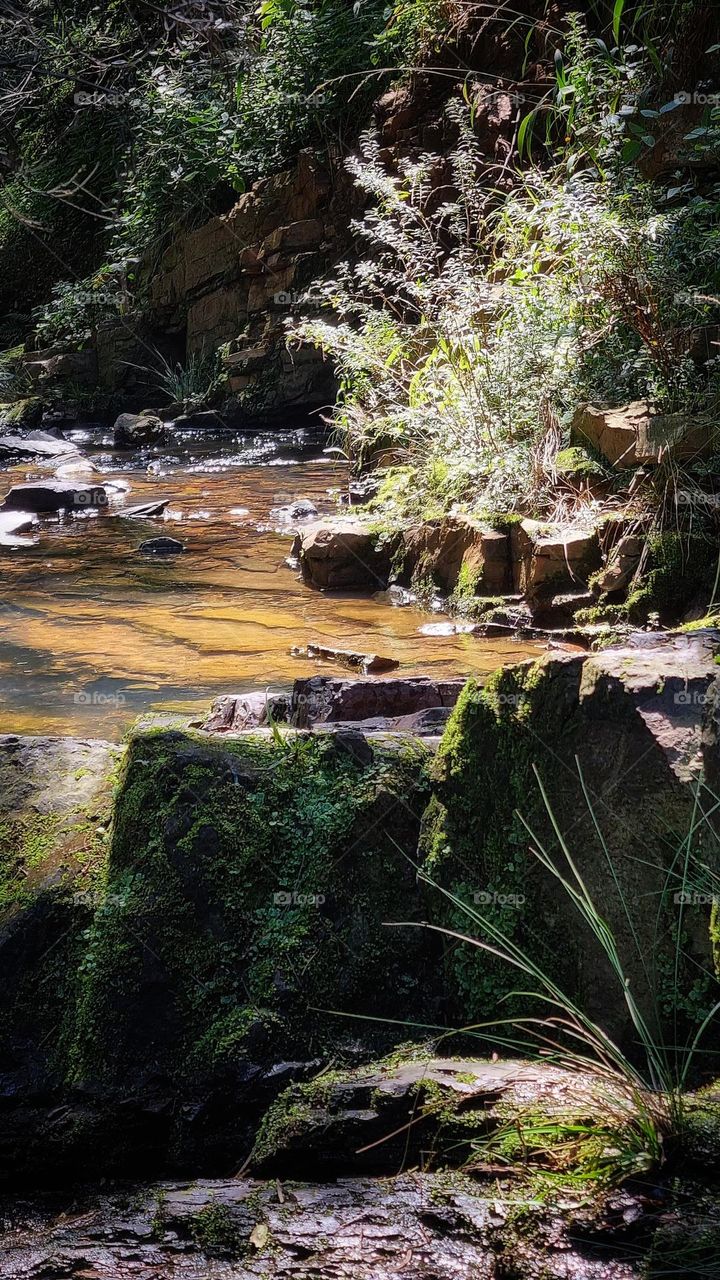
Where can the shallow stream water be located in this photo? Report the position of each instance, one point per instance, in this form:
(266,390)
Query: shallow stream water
(93,634)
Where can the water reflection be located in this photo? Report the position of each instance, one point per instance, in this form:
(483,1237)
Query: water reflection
(92,633)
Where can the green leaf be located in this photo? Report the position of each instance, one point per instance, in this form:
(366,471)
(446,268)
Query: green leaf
(525,134)
(631,150)
(617,19)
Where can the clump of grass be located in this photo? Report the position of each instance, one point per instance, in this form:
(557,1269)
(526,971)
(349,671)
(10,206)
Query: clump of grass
(191,384)
(631,1110)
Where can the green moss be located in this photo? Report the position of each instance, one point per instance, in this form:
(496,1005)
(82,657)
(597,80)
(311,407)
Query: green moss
(26,841)
(487,814)
(578,463)
(711,619)
(680,568)
(246,890)
(292,1114)
(468,585)
(215,1230)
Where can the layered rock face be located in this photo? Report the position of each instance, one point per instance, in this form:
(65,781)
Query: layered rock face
(237,278)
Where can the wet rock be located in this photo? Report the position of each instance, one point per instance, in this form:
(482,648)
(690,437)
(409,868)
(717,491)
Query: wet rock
(76,467)
(419,1226)
(324,699)
(344,554)
(209,418)
(144,509)
(458,553)
(132,430)
(55,495)
(398,597)
(301,509)
(234,712)
(368,663)
(161,547)
(551,559)
(633,436)
(36,444)
(15,522)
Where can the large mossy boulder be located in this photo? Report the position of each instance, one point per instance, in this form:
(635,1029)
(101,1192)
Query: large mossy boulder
(614,739)
(248,887)
(227,938)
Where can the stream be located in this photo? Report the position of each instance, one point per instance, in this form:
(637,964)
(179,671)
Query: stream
(93,634)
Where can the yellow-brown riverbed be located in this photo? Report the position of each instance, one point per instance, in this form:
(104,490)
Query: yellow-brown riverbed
(93,634)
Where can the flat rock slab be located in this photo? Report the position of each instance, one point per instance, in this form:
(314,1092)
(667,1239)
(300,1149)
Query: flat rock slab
(322,699)
(670,682)
(55,495)
(36,444)
(410,1227)
(358,1121)
(52,775)
(54,794)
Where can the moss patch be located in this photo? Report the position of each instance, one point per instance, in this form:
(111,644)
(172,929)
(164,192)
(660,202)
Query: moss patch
(246,891)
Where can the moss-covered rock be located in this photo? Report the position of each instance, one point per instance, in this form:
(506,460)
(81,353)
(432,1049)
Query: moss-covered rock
(614,739)
(247,889)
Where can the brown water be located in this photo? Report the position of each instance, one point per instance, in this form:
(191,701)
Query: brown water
(93,634)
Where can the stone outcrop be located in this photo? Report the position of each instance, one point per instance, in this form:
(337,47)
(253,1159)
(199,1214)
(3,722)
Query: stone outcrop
(634,435)
(615,738)
(167,963)
(134,429)
(548,559)
(458,552)
(344,555)
(57,364)
(239,276)
(55,495)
